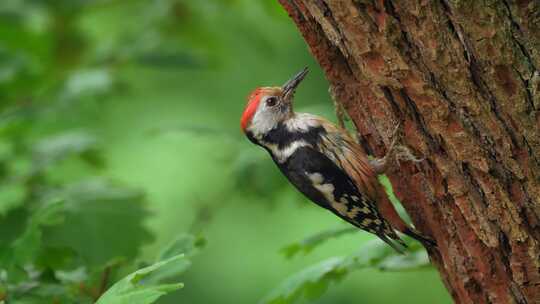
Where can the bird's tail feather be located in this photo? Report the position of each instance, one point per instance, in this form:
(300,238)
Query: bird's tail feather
(394,241)
(426,241)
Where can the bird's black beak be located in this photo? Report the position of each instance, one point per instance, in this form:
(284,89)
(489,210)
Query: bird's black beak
(290,86)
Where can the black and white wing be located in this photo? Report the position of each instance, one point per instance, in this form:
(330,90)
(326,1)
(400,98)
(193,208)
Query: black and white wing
(325,183)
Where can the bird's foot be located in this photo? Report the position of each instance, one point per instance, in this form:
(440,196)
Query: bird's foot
(396,151)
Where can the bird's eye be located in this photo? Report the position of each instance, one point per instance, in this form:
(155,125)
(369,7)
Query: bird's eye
(271,101)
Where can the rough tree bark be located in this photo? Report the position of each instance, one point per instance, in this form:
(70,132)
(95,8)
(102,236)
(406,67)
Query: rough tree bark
(462,77)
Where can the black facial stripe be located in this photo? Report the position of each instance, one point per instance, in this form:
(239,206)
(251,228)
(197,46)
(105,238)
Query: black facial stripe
(281,136)
(251,138)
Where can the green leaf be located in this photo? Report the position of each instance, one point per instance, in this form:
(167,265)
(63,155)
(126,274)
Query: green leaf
(313,281)
(50,291)
(308,244)
(370,254)
(12,225)
(413,261)
(186,244)
(11,197)
(26,247)
(7,149)
(76,275)
(55,257)
(101,222)
(52,149)
(23,246)
(87,82)
(134,289)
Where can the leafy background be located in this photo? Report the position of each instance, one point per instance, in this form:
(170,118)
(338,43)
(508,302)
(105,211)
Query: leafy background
(123,171)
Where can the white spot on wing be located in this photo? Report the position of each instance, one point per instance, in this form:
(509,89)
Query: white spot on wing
(316,178)
(341,205)
(328,191)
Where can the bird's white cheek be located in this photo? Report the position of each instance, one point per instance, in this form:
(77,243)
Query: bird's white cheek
(262,122)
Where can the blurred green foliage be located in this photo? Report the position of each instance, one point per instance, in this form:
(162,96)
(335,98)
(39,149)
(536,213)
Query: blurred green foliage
(131,290)
(120,150)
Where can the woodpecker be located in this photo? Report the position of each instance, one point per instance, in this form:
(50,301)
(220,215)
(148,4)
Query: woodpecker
(324,162)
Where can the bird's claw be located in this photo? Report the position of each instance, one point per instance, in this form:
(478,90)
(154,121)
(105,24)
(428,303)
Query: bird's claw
(396,151)
(405,154)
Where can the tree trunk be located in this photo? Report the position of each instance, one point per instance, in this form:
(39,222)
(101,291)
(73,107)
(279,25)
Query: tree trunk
(462,78)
